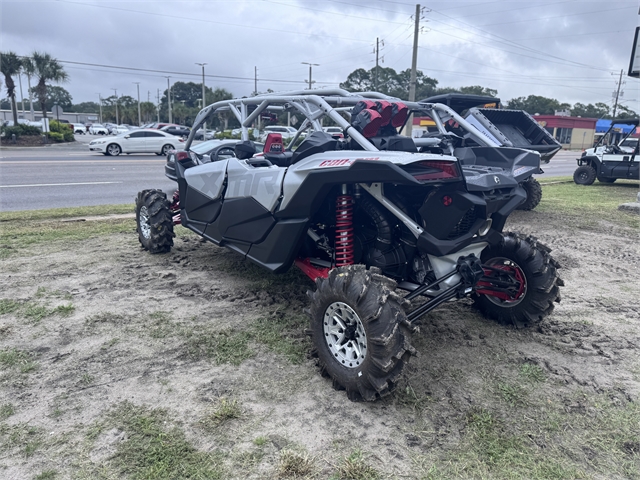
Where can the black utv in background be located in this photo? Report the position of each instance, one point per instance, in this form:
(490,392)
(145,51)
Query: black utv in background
(507,128)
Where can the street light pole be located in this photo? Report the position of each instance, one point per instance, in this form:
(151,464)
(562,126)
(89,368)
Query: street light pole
(100,98)
(117,117)
(204,126)
(311,65)
(169,97)
(139,116)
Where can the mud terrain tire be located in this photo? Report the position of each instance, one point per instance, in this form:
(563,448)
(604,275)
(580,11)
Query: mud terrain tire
(542,284)
(153,221)
(364,301)
(534,194)
(584,175)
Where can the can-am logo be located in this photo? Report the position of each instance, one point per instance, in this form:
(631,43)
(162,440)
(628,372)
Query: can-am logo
(496,179)
(336,163)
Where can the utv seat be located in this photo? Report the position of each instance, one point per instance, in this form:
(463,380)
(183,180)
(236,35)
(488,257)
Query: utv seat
(274,151)
(316,142)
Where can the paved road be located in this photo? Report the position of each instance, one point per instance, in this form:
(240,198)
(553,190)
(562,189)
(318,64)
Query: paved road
(70,176)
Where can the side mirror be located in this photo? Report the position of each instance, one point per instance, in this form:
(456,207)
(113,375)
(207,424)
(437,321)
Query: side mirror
(127,136)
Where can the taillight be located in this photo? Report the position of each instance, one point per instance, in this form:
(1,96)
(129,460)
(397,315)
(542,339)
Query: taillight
(182,155)
(429,170)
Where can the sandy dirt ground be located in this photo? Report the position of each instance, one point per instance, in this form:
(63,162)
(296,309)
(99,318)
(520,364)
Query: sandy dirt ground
(103,346)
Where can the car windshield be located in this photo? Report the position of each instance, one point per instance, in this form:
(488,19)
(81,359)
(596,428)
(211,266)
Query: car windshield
(205,147)
(98,125)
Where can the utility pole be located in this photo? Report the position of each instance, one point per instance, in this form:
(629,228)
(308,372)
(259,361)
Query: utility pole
(255,80)
(21,94)
(117,117)
(158,109)
(30,97)
(169,98)
(617,96)
(414,66)
(376,76)
(139,116)
(311,65)
(204,126)
(100,98)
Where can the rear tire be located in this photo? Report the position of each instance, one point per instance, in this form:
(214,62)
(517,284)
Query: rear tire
(154,223)
(165,149)
(359,331)
(534,194)
(541,290)
(584,175)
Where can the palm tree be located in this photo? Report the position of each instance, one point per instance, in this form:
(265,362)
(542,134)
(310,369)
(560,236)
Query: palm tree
(10,65)
(46,68)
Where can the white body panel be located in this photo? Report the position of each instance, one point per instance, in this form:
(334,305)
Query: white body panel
(297,173)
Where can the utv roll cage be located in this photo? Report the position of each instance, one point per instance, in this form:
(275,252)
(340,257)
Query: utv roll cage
(332,103)
(614,124)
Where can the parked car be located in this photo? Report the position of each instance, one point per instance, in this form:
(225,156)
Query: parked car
(159,126)
(214,150)
(177,130)
(628,145)
(286,132)
(119,129)
(334,131)
(79,128)
(208,135)
(98,129)
(138,141)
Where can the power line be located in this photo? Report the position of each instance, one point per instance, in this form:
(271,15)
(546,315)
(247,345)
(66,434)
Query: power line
(193,19)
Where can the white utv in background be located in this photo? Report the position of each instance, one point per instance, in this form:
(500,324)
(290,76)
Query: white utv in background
(375,219)
(608,163)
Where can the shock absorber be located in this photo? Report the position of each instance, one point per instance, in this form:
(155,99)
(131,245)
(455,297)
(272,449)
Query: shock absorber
(344,251)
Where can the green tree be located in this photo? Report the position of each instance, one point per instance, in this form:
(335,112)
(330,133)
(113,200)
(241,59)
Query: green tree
(46,68)
(536,104)
(599,110)
(625,112)
(390,82)
(184,95)
(57,96)
(147,111)
(10,65)
(86,107)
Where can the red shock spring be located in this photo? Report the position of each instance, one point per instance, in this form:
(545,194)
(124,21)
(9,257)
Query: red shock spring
(344,231)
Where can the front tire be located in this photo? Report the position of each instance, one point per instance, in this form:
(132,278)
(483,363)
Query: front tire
(534,194)
(527,266)
(114,149)
(359,331)
(154,223)
(584,175)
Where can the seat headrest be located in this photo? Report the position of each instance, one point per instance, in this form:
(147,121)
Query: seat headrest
(367,122)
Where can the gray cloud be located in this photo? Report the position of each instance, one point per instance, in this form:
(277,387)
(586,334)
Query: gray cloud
(459,47)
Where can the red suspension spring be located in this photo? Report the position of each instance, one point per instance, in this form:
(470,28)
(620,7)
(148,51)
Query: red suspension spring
(344,231)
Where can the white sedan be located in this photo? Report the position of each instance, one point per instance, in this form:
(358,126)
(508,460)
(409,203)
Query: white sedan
(98,129)
(138,141)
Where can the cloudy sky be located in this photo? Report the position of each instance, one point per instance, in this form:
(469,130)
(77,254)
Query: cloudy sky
(572,50)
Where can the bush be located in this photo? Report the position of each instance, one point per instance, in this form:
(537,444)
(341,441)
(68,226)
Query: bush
(20,130)
(56,137)
(63,131)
